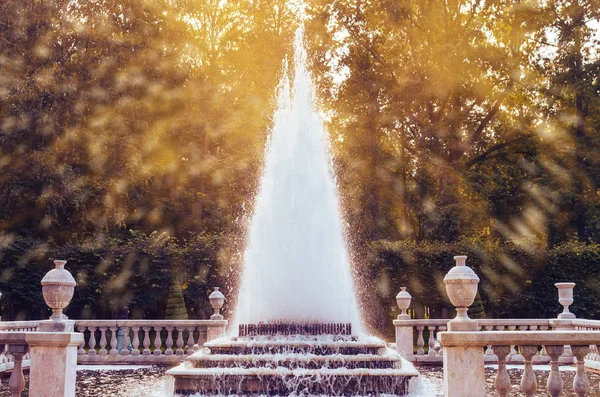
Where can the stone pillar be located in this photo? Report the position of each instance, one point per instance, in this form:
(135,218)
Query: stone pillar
(216,329)
(464,371)
(53,364)
(564,319)
(464,374)
(404,339)
(404,330)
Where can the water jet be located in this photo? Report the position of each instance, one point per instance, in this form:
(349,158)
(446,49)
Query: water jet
(297,320)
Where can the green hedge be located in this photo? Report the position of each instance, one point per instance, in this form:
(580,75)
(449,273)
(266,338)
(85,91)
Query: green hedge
(137,269)
(134,269)
(516,281)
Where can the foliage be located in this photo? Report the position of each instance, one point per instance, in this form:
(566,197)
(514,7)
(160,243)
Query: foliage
(515,282)
(133,270)
(476,310)
(175,306)
(132,135)
(462,118)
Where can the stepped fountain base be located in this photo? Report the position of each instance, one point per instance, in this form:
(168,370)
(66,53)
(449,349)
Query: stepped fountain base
(295,364)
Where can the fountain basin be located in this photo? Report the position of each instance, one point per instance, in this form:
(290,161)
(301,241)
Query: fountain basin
(324,365)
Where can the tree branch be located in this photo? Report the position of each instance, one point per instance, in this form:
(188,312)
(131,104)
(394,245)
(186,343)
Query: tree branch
(492,149)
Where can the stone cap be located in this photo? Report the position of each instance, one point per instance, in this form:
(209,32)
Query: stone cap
(55,339)
(432,322)
(150,323)
(484,338)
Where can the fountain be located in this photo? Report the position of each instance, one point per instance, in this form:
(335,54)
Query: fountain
(297,320)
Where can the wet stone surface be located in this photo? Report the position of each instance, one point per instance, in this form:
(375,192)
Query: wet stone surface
(436,376)
(139,382)
(150,382)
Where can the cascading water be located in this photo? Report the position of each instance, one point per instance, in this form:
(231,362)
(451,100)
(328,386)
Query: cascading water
(296,269)
(296,264)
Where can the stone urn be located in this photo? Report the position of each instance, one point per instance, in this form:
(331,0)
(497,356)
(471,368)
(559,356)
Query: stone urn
(565,298)
(217,299)
(403,300)
(461,287)
(58,286)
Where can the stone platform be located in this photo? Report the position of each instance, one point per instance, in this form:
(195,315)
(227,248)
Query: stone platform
(294,364)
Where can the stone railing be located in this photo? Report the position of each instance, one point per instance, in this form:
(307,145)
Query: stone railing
(467,343)
(19,326)
(144,341)
(464,364)
(51,352)
(429,350)
(7,359)
(128,341)
(592,360)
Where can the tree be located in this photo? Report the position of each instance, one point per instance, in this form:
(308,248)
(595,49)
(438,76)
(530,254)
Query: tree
(175,306)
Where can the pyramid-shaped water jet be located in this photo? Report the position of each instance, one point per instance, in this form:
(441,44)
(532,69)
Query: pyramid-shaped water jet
(296,267)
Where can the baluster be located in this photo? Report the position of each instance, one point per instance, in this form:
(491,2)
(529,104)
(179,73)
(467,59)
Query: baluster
(125,342)
(180,351)
(554,384)
(146,341)
(489,351)
(441,328)
(431,343)
(157,341)
(513,351)
(169,350)
(103,350)
(3,358)
(528,382)
(190,342)
(543,353)
(92,341)
(16,383)
(420,341)
(502,381)
(81,350)
(136,341)
(113,341)
(581,385)
(202,331)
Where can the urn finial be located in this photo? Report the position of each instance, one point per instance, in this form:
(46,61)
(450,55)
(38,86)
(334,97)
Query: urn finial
(58,286)
(217,299)
(565,298)
(403,300)
(461,287)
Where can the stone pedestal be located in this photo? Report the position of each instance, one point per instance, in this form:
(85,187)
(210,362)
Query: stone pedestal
(564,325)
(464,371)
(216,330)
(404,339)
(56,326)
(53,363)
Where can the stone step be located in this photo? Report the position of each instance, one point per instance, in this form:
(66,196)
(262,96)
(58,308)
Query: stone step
(293,361)
(300,346)
(283,381)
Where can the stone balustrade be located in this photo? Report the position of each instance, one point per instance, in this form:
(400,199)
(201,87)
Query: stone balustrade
(52,373)
(19,326)
(428,349)
(464,364)
(129,341)
(144,341)
(7,359)
(592,360)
